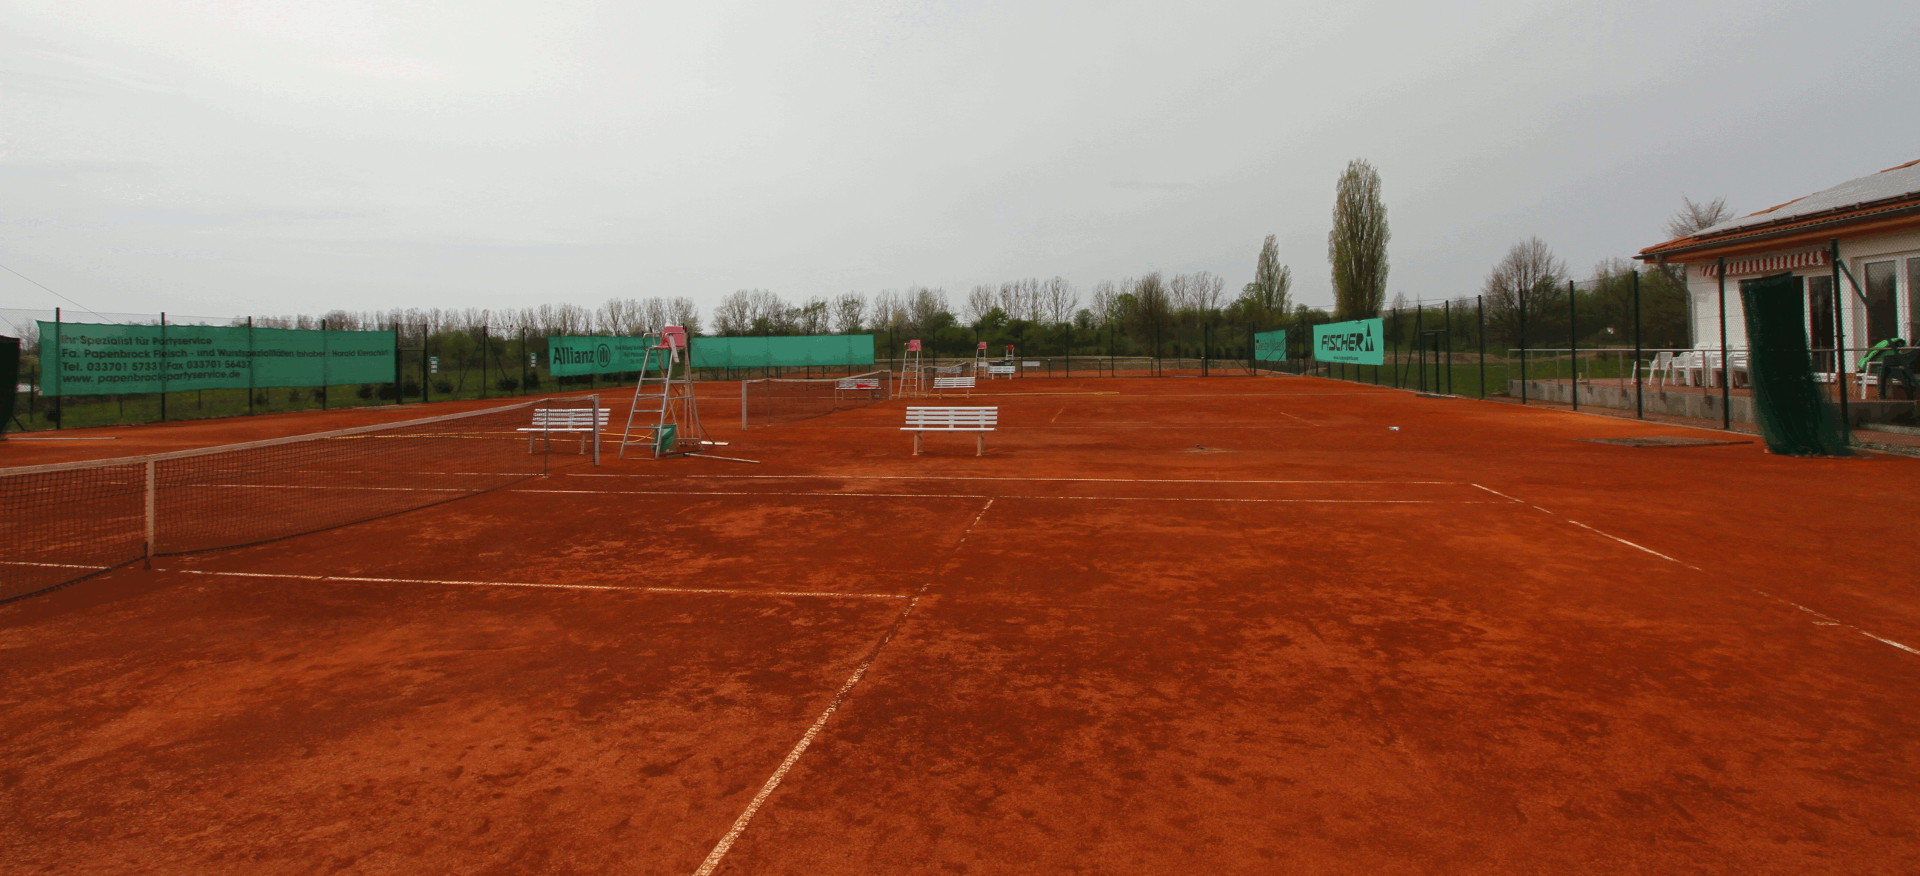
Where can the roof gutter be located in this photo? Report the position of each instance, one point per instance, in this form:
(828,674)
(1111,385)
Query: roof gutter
(1810,228)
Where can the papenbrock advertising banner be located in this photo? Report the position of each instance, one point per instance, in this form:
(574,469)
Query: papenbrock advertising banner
(1358,342)
(1270,346)
(90,359)
(573,355)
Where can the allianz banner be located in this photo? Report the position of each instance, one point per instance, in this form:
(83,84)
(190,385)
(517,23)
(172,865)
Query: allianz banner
(1358,342)
(572,355)
(80,358)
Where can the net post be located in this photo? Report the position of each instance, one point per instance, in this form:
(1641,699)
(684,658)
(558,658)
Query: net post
(146,553)
(743,405)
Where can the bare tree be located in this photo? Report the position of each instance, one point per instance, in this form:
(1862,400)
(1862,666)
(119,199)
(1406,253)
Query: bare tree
(1266,296)
(1528,276)
(980,302)
(734,314)
(623,316)
(1693,216)
(1060,299)
(1102,303)
(1208,291)
(1152,309)
(683,312)
(1357,245)
(812,317)
(924,307)
(849,313)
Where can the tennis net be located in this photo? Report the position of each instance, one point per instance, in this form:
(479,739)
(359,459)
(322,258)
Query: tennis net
(788,399)
(62,523)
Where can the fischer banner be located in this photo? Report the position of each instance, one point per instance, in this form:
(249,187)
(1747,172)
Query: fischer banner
(1359,342)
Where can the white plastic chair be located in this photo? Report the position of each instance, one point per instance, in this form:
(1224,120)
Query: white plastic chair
(1660,367)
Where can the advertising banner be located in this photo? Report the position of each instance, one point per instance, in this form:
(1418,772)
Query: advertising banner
(574,355)
(1270,346)
(90,359)
(1359,342)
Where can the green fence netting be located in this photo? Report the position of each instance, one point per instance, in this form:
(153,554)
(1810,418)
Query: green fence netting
(782,352)
(1794,419)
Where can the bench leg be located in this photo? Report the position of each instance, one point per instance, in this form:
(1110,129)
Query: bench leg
(916,444)
(979,444)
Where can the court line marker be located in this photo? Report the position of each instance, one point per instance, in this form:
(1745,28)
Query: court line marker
(612,587)
(720,849)
(791,494)
(1835,622)
(1825,620)
(1608,535)
(829,477)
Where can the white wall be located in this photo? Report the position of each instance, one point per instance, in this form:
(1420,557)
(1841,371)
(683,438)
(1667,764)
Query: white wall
(1854,252)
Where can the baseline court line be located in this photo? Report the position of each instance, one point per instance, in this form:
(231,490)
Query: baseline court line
(1045,498)
(693,590)
(828,477)
(739,826)
(53,565)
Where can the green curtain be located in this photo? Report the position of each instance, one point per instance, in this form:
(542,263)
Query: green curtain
(1795,419)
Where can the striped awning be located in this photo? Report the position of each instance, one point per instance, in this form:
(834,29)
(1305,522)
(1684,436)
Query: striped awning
(1767,264)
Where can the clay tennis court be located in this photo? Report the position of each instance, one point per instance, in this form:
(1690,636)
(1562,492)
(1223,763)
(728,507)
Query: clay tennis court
(1234,625)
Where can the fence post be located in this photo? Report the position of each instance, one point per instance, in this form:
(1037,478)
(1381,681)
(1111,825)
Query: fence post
(1446,308)
(1639,384)
(426,377)
(1726,393)
(1573,340)
(163,366)
(1480,319)
(1839,340)
(1520,294)
(396,365)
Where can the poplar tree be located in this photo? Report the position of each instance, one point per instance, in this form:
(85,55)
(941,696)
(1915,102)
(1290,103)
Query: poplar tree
(1357,245)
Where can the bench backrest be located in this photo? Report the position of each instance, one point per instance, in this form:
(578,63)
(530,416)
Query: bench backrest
(858,383)
(952,418)
(952,382)
(556,418)
(999,369)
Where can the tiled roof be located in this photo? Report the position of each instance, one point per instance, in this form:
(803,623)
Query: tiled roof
(1868,196)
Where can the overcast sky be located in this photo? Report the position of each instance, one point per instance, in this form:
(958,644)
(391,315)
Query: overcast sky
(231,157)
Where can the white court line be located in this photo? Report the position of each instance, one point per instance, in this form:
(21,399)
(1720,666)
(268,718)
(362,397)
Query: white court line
(52,565)
(1839,623)
(739,826)
(830,477)
(1829,620)
(1637,547)
(698,590)
(684,493)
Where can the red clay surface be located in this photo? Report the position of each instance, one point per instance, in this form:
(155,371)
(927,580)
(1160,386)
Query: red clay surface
(1164,625)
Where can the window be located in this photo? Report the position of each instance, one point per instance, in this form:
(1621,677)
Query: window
(1882,319)
(1820,321)
(1913,301)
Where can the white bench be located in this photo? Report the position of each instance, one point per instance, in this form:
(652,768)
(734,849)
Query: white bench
(942,384)
(1006,371)
(979,421)
(547,421)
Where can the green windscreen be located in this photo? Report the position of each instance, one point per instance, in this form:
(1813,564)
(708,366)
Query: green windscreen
(1270,346)
(782,352)
(94,359)
(1794,419)
(9,379)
